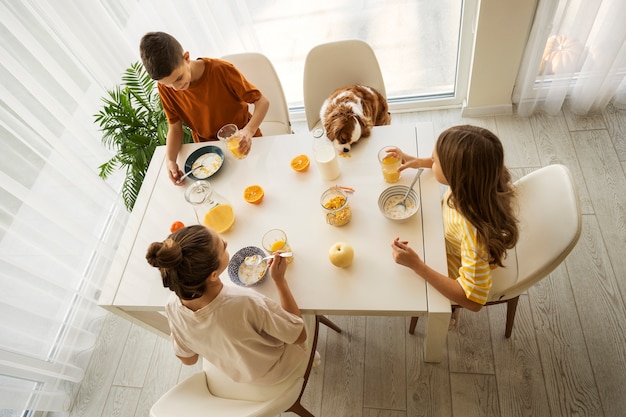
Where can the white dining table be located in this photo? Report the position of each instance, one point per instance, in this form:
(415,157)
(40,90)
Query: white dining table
(373,285)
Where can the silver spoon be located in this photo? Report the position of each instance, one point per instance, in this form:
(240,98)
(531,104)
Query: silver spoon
(178,181)
(257,259)
(403,201)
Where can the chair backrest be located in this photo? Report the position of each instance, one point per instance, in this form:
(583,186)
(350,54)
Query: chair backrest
(337,64)
(258,69)
(549,228)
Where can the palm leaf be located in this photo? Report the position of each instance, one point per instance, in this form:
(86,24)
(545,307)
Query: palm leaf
(133,124)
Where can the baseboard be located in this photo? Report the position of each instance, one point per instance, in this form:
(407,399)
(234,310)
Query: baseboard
(487,110)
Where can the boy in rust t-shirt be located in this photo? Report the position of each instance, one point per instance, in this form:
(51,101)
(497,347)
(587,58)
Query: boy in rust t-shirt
(205,94)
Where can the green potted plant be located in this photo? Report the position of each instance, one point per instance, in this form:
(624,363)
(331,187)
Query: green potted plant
(133,124)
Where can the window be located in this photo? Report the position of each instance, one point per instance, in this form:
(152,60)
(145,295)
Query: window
(416,42)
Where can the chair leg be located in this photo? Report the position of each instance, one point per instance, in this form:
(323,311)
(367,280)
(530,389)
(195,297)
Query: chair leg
(299,409)
(326,321)
(511,308)
(413,324)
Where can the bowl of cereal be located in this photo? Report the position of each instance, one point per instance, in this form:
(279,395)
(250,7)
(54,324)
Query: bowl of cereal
(243,273)
(389,199)
(204,162)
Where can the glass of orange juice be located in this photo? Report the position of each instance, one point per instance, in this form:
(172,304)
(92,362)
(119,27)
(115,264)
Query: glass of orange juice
(389,165)
(229,136)
(276,240)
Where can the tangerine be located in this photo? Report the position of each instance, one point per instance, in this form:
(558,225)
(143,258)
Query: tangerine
(300,163)
(176,226)
(253,194)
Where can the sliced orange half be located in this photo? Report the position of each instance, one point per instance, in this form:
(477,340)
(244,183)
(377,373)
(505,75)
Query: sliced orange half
(253,194)
(300,163)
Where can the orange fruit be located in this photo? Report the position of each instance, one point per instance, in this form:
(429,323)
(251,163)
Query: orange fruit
(253,194)
(300,163)
(220,218)
(176,226)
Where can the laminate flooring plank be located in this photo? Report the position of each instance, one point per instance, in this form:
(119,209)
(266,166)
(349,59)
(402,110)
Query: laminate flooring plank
(95,386)
(577,122)
(554,142)
(443,119)
(411,117)
(385,358)
(474,395)
(428,384)
(517,137)
(615,120)
(373,412)
(567,372)
(521,388)
(607,188)
(602,315)
(163,373)
(133,366)
(121,402)
(342,395)
(469,345)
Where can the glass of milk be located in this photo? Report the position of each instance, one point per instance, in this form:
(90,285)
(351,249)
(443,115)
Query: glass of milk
(325,156)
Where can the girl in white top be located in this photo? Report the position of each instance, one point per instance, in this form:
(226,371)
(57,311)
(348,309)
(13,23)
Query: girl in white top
(249,337)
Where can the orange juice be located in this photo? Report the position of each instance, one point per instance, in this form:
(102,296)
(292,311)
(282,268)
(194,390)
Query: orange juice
(277,245)
(233,146)
(281,245)
(390,169)
(220,218)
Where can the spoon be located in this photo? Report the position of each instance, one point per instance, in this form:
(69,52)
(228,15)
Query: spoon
(178,181)
(403,201)
(256,259)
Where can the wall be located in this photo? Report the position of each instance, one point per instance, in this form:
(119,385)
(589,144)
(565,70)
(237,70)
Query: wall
(502,30)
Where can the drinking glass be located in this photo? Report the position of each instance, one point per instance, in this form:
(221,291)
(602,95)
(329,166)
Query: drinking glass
(229,135)
(389,165)
(276,240)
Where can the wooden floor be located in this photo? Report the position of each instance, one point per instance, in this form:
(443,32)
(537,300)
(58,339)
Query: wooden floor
(567,354)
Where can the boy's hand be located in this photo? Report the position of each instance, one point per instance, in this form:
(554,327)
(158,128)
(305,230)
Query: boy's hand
(245,144)
(278,267)
(174,172)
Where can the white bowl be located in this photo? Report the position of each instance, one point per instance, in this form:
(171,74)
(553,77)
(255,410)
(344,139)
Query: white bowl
(393,195)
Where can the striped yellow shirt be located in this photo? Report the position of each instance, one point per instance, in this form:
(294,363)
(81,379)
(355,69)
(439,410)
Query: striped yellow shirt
(468,260)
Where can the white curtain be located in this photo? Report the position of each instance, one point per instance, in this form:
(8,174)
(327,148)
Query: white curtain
(59,222)
(576,55)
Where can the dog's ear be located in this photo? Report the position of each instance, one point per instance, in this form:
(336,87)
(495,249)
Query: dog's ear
(365,123)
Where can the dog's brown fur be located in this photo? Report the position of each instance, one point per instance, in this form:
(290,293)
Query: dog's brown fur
(346,105)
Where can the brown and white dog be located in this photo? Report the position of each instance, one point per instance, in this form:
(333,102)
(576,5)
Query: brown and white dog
(350,113)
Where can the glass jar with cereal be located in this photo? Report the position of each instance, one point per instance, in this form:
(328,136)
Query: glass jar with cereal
(336,207)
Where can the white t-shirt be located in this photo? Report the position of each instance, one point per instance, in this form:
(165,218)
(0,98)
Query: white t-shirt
(241,332)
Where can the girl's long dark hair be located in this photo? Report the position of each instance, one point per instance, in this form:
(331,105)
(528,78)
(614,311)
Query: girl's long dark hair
(185,259)
(472,160)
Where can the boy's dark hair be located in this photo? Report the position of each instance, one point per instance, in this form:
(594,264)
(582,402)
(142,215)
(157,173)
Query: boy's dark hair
(160,53)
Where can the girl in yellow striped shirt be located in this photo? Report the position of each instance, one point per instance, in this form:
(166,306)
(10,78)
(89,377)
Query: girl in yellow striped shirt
(478,216)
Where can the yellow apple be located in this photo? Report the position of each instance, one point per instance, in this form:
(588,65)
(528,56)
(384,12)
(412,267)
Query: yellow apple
(341,254)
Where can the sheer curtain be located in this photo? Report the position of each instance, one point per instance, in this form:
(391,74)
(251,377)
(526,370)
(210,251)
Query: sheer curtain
(576,55)
(59,222)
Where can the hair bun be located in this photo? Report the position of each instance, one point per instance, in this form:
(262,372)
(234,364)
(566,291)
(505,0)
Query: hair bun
(167,254)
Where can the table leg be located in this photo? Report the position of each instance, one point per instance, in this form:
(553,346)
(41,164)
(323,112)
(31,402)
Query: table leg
(436,335)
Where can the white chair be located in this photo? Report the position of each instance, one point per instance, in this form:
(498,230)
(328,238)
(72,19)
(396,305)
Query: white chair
(549,228)
(337,64)
(258,69)
(212,393)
